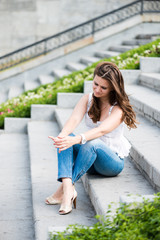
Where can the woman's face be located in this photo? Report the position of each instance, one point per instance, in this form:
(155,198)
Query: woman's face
(101,87)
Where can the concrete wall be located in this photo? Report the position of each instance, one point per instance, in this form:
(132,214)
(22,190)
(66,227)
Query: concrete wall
(23,22)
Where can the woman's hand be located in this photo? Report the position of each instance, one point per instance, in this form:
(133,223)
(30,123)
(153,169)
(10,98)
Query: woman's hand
(64,142)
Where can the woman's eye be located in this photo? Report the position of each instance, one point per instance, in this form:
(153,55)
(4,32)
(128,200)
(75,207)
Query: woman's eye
(104,88)
(96,84)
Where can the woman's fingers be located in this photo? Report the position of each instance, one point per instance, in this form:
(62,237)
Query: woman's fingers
(60,146)
(62,142)
(53,138)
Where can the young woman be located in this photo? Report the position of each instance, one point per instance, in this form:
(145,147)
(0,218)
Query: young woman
(103,147)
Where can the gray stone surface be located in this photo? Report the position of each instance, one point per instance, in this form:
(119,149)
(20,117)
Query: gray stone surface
(45,79)
(30,85)
(75,66)
(17,5)
(102,190)
(58,73)
(68,100)
(121,48)
(3,97)
(42,112)
(136,198)
(136,42)
(138,97)
(150,65)
(89,60)
(106,54)
(145,150)
(16,219)
(16,125)
(151,80)
(43,158)
(15,91)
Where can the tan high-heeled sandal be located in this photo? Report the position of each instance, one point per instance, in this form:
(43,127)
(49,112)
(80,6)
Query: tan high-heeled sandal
(65,209)
(52,201)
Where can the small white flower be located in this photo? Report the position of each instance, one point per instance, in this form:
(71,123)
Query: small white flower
(135,55)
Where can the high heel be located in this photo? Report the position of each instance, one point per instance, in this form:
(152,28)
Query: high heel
(52,201)
(65,209)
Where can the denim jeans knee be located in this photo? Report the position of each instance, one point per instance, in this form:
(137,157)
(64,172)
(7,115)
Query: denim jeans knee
(78,159)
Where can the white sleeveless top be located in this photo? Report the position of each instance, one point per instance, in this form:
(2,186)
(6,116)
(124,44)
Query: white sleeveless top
(115,139)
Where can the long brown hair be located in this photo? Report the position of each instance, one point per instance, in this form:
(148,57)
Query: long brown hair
(111,73)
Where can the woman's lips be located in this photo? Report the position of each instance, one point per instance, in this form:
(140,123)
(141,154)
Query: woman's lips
(97,94)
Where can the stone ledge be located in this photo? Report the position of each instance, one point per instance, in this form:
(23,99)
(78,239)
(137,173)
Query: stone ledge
(43,112)
(135,198)
(150,64)
(68,100)
(16,125)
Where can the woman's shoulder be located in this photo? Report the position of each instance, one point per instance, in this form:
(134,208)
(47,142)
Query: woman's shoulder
(87,97)
(116,108)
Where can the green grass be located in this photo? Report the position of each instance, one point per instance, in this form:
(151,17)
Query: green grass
(47,94)
(131,222)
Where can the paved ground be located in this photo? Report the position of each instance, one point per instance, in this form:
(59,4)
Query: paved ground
(16,222)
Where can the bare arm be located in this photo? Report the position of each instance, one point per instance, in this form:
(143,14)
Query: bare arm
(108,125)
(76,116)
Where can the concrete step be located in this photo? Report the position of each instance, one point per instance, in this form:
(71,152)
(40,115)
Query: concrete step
(135,198)
(59,73)
(103,191)
(121,48)
(2,131)
(145,151)
(68,100)
(75,66)
(15,91)
(16,125)
(146,36)
(45,79)
(89,60)
(43,159)
(151,80)
(43,112)
(16,218)
(145,102)
(150,64)
(106,54)
(30,85)
(134,42)
(3,97)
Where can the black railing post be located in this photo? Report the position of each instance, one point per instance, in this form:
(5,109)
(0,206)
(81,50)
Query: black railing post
(93,27)
(141,7)
(45,47)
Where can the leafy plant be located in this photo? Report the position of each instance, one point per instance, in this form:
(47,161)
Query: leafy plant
(47,94)
(139,223)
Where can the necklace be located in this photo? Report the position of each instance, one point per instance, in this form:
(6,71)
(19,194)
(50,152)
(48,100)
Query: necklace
(104,108)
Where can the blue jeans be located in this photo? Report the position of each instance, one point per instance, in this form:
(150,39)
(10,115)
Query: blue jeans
(93,157)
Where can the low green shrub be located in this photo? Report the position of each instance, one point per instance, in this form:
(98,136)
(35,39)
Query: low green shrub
(47,94)
(139,223)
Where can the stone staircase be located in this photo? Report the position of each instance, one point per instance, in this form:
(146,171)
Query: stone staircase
(83,62)
(29,161)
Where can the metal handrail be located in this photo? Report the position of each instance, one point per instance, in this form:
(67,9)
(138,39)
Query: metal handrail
(80,31)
